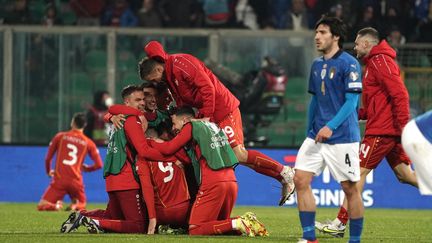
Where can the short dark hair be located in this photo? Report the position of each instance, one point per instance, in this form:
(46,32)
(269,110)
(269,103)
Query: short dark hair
(79,119)
(369,31)
(128,90)
(147,85)
(164,126)
(337,27)
(146,66)
(151,132)
(185,110)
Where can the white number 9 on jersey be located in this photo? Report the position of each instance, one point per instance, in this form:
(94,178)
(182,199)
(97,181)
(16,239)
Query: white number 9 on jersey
(167,168)
(229,131)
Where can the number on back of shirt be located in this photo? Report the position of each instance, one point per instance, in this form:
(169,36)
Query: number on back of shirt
(168,168)
(72,153)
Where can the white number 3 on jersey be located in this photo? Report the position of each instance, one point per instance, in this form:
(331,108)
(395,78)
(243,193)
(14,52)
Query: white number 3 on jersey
(73,150)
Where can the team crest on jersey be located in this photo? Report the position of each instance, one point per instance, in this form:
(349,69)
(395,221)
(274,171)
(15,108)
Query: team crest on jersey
(354,76)
(323,73)
(332,72)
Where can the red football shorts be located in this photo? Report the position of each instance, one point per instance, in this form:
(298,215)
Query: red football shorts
(126,205)
(214,202)
(124,214)
(58,189)
(177,215)
(375,148)
(233,128)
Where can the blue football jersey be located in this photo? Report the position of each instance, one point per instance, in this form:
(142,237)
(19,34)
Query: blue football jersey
(329,81)
(424,123)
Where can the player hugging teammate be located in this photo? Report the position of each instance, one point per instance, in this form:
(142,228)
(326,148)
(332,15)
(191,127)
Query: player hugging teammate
(166,174)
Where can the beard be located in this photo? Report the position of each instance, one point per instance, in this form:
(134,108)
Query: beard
(360,55)
(325,47)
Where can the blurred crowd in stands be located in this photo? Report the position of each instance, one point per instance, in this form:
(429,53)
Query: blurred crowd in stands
(400,21)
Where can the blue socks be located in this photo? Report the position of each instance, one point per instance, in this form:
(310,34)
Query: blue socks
(356,227)
(307,220)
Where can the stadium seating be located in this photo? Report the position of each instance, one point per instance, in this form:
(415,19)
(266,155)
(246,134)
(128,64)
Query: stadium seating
(43,113)
(95,61)
(37,8)
(68,17)
(131,77)
(289,127)
(201,53)
(126,61)
(81,83)
(295,107)
(413,88)
(81,91)
(99,80)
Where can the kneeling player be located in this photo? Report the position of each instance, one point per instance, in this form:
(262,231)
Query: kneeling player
(165,188)
(71,148)
(124,212)
(213,160)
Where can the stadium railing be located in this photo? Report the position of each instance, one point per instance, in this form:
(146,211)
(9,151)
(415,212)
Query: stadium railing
(50,73)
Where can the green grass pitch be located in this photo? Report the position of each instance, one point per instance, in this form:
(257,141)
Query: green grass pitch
(20,222)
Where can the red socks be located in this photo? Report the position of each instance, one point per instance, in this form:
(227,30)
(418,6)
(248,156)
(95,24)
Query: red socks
(78,206)
(217,227)
(123,226)
(47,206)
(263,164)
(95,214)
(343,215)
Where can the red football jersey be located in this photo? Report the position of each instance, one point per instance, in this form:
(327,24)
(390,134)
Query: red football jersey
(71,147)
(169,183)
(192,83)
(385,98)
(208,175)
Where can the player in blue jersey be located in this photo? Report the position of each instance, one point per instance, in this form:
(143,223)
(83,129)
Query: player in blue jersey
(333,130)
(417,143)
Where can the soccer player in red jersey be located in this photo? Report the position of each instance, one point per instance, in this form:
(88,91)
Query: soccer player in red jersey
(125,212)
(386,108)
(193,84)
(170,204)
(71,147)
(163,184)
(213,160)
(153,115)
